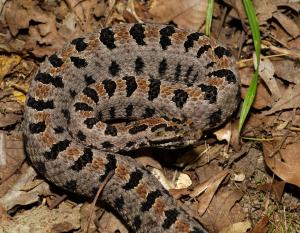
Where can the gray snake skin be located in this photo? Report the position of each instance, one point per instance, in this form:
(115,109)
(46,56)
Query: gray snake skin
(119,89)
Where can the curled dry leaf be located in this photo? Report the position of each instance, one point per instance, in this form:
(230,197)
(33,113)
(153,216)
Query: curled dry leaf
(24,191)
(224,133)
(284,162)
(262,98)
(182,180)
(288,24)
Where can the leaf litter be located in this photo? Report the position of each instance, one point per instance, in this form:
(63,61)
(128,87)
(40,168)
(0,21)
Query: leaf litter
(251,182)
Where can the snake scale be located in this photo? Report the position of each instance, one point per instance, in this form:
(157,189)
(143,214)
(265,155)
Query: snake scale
(119,89)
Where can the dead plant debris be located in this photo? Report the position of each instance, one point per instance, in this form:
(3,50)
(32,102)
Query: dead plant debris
(251,182)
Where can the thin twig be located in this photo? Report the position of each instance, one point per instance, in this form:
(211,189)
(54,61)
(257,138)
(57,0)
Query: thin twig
(101,187)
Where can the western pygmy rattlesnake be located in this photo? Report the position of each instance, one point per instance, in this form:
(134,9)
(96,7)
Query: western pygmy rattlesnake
(119,89)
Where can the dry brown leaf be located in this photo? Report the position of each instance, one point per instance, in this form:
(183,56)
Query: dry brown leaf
(246,74)
(277,187)
(290,99)
(41,219)
(10,110)
(294,46)
(257,122)
(44,28)
(198,160)
(290,5)
(266,72)
(223,204)
(277,18)
(24,191)
(4,217)
(209,188)
(16,16)
(9,119)
(11,158)
(84,12)
(109,223)
(235,136)
(186,14)
(290,116)
(132,8)
(284,163)
(224,133)
(261,226)
(44,33)
(212,186)
(238,227)
(262,98)
(287,70)
(238,10)
(279,33)
(288,24)
(264,10)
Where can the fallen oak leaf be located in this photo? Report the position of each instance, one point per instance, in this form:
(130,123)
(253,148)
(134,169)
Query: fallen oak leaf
(285,162)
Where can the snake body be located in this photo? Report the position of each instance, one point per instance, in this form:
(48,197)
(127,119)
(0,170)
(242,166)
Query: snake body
(122,88)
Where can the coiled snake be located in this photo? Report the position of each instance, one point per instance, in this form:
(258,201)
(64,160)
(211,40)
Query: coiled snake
(119,89)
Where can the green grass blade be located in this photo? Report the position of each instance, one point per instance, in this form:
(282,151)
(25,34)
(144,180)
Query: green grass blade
(249,98)
(209,15)
(251,92)
(250,11)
